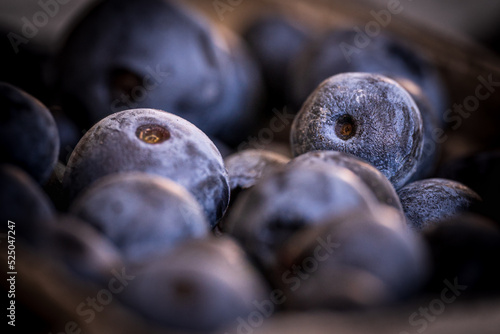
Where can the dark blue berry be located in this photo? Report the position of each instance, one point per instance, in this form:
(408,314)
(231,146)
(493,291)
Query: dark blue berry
(143,215)
(28,133)
(428,202)
(155,142)
(366,115)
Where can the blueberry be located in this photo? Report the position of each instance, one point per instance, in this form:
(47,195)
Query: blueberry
(427,202)
(465,248)
(431,142)
(287,201)
(155,142)
(244,93)
(200,286)
(28,133)
(372,177)
(275,40)
(337,287)
(336,52)
(366,115)
(143,215)
(23,202)
(374,250)
(82,249)
(246,167)
(165,57)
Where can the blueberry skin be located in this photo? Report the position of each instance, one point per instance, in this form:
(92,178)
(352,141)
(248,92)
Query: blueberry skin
(427,202)
(28,133)
(23,202)
(166,57)
(287,201)
(338,287)
(246,167)
(82,249)
(143,215)
(372,177)
(431,145)
(275,40)
(465,247)
(184,154)
(373,244)
(201,286)
(367,115)
(384,54)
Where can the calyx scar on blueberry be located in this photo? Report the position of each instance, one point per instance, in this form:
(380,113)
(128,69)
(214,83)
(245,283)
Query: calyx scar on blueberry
(345,127)
(152,133)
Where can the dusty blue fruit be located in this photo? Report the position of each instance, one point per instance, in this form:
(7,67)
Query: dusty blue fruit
(367,115)
(432,132)
(23,202)
(143,215)
(275,40)
(165,57)
(154,142)
(28,133)
(374,250)
(372,177)
(428,202)
(345,50)
(201,286)
(245,168)
(287,201)
(82,249)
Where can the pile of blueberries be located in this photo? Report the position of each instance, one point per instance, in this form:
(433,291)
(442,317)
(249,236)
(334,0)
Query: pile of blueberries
(349,207)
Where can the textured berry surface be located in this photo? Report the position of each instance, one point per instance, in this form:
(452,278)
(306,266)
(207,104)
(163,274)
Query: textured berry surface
(427,202)
(155,142)
(245,168)
(366,115)
(431,146)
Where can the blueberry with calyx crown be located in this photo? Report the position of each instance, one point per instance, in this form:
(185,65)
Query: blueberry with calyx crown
(155,142)
(367,115)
